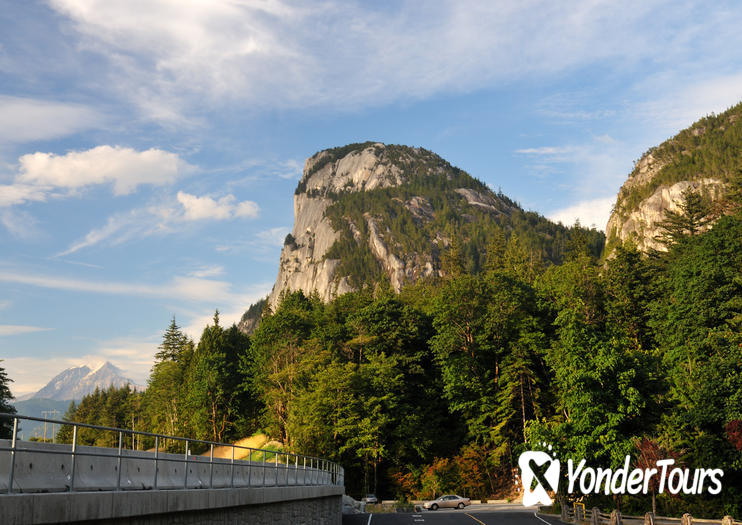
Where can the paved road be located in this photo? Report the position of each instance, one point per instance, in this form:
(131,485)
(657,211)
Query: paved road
(472,515)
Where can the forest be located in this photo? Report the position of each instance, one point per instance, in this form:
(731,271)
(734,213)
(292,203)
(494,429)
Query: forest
(440,387)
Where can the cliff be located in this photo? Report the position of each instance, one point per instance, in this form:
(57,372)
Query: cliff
(704,157)
(369,212)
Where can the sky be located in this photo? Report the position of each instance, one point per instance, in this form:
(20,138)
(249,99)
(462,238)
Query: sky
(149,149)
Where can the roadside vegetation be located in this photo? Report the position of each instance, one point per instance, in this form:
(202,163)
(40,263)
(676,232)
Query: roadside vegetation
(439,388)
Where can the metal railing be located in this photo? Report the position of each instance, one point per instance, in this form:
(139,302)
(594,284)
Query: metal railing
(88,468)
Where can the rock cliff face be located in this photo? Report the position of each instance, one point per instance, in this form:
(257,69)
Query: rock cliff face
(367,213)
(704,157)
(328,177)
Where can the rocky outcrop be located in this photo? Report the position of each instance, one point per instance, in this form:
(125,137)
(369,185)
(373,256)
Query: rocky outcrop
(641,225)
(331,174)
(704,157)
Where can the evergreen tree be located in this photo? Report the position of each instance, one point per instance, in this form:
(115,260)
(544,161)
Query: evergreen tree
(6,425)
(693,217)
(174,342)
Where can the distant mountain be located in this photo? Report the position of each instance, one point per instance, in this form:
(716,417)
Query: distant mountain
(75,383)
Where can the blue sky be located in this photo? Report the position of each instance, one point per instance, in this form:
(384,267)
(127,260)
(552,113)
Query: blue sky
(149,149)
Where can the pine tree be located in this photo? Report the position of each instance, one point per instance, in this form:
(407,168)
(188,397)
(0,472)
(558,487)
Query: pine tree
(496,251)
(693,217)
(6,425)
(452,260)
(174,341)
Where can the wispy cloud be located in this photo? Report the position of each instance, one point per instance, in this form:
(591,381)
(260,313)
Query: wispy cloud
(17,329)
(263,242)
(546,150)
(20,224)
(225,52)
(166,217)
(185,288)
(27,119)
(208,271)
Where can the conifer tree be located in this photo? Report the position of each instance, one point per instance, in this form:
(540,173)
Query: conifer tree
(6,425)
(693,217)
(174,341)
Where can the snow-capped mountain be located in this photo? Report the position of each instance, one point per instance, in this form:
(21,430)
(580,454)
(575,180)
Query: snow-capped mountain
(75,383)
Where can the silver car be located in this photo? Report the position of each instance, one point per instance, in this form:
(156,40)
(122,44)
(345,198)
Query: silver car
(448,501)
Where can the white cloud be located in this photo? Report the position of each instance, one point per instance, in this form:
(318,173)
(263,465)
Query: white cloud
(45,176)
(184,288)
(546,150)
(171,57)
(125,168)
(200,208)
(593,212)
(16,329)
(164,218)
(12,194)
(26,119)
(208,271)
(20,224)
(263,243)
(683,103)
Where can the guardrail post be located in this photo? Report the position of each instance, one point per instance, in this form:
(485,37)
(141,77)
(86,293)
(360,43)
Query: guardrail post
(185,465)
(263,466)
(616,517)
(727,520)
(687,519)
(118,462)
(250,467)
(649,518)
(74,450)
(287,470)
(296,470)
(12,455)
(595,518)
(157,458)
(275,477)
(231,469)
(211,467)
(304,477)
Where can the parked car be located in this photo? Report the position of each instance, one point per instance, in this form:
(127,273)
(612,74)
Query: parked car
(370,498)
(447,502)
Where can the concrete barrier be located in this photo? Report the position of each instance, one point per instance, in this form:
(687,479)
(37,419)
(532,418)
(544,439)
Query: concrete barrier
(47,467)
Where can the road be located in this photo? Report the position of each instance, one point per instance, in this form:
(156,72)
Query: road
(472,515)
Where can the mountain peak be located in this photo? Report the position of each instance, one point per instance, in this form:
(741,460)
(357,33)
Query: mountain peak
(369,212)
(77,382)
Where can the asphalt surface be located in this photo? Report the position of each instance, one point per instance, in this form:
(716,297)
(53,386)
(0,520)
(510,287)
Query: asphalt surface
(471,515)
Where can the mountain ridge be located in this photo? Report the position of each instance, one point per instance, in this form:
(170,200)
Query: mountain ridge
(76,382)
(368,212)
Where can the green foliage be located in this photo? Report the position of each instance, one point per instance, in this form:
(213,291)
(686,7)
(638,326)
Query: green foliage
(112,407)
(6,425)
(711,147)
(457,236)
(439,388)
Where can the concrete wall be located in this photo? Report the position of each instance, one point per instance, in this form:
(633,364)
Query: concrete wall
(46,467)
(318,505)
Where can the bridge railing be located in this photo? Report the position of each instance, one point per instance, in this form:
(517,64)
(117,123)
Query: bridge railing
(30,466)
